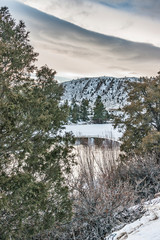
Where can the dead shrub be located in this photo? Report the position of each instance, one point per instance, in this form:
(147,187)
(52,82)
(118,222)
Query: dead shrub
(143,174)
(104,191)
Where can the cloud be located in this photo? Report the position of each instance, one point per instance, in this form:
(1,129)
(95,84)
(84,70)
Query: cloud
(119,18)
(145,7)
(72,49)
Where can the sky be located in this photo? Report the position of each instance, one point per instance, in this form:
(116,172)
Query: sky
(84,38)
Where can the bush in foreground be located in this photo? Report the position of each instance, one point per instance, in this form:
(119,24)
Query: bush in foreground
(34,159)
(104,192)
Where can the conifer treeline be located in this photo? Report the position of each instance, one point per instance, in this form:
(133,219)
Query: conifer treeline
(84,112)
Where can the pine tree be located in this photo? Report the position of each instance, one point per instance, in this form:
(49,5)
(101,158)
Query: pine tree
(67,110)
(141,117)
(100,115)
(75,111)
(34,159)
(84,110)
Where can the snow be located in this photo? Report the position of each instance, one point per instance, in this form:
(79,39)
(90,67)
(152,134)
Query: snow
(145,228)
(111,90)
(94,130)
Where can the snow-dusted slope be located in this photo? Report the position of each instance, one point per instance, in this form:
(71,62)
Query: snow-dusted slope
(145,228)
(112,90)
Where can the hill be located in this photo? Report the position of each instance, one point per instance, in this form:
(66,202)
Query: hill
(111,90)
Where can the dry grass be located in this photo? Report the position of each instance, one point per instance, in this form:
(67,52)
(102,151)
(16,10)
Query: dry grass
(103,189)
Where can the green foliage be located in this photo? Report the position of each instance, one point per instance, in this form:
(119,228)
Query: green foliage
(84,110)
(100,115)
(141,117)
(34,159)
(74,112)
(79,112)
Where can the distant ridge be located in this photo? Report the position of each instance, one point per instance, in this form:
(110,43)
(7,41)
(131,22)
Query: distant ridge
(111,89)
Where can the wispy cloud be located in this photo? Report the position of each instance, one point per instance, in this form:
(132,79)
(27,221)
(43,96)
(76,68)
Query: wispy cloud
(145,7)
(72,49)
(129,19)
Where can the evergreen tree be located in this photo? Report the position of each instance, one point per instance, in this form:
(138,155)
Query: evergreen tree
(100,115)
(84,110)
(34,159)
(141,117)
(67,110)
(75,111)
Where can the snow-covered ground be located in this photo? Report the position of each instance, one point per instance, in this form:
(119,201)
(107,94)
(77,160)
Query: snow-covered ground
(94,130)
(145,228)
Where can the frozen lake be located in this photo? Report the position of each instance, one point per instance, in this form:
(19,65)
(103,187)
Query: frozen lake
(94,130)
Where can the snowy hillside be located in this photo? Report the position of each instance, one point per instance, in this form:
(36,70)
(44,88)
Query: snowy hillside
(111,90)
(145,228)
